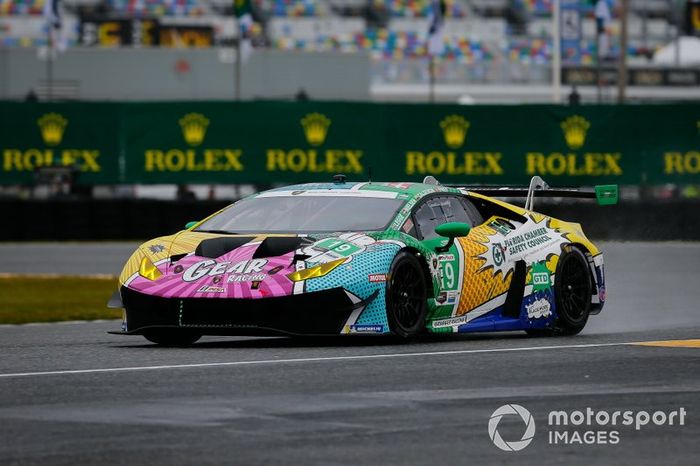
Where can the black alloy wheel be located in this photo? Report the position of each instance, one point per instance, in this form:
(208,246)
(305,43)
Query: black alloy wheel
(572,291)
(406,296)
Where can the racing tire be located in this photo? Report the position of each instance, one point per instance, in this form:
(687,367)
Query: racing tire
(572,291)
(406,296)
(171,337)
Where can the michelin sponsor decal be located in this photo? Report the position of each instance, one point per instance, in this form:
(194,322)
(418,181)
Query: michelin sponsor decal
(367,328)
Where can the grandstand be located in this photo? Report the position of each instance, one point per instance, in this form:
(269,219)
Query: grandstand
(485,41)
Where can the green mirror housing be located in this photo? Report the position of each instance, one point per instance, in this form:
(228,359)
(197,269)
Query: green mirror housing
(451,230)
(190,225)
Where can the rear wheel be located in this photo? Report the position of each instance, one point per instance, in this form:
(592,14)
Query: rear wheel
(406,296)
(172,337)
(572,291)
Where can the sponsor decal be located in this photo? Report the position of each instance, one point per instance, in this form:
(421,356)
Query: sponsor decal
(446,257)
(368,328)
(452,297)
(541,280)
(211,289)
(156,248)
(377,277)
(211,268)
(451,322)
(447,297)
(601,294)
(498,254)
(528,241)
(442,297)
(247,278)
(538,309)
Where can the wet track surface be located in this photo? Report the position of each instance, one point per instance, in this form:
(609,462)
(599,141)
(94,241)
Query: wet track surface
(119,400)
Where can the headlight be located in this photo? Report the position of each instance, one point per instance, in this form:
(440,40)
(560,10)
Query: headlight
(148,270)
(315,272)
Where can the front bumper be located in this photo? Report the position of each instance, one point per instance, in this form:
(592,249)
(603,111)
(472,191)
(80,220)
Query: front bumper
(318,313)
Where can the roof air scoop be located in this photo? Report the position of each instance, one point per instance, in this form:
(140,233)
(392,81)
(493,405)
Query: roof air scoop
(431,180)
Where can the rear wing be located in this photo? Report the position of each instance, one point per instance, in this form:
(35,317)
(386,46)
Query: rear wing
(606,194)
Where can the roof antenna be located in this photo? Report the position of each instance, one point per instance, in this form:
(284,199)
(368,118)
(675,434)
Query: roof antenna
(369,175)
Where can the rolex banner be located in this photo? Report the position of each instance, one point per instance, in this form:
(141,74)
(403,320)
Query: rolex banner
(84,136)
(269,142)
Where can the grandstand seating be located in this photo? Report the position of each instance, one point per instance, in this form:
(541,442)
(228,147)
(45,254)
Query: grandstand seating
(318,25)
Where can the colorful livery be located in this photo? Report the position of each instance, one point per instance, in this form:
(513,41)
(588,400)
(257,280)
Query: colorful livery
(367,258)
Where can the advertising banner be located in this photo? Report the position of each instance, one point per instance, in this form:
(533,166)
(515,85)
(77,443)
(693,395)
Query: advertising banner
(284,142)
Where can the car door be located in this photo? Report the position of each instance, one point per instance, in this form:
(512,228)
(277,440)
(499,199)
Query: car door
(447,266)
(474,276)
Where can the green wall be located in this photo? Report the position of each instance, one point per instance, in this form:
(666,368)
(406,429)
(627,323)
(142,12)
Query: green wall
(217,142)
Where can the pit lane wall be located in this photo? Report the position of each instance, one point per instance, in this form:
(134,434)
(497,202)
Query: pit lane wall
(280,142)
(132,219)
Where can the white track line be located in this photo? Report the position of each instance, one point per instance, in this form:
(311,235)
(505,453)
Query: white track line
(298,360)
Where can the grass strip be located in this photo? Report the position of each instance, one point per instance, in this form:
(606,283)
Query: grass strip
(26,298)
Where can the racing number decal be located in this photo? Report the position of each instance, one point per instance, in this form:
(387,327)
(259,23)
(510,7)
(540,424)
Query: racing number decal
(338,246)
(448,275)
(449,268)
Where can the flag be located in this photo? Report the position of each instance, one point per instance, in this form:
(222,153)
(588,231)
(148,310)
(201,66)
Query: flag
(602,19)
(54,25)
(436,40)
(243,11)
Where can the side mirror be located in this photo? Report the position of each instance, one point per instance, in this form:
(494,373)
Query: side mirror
(189,225)
(451,230)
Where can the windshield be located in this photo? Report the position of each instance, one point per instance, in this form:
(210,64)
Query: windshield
(304,214)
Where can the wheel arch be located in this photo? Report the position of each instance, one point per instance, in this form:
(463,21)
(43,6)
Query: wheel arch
(591,268)
(424,265)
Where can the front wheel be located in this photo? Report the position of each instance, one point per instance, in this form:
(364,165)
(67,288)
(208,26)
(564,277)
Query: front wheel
(171,337)
(406,296)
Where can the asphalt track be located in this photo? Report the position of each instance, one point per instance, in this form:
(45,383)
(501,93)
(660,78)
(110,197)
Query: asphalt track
(70,393)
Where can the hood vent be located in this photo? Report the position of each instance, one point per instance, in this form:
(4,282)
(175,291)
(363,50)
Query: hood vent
(217,247)
(274,246)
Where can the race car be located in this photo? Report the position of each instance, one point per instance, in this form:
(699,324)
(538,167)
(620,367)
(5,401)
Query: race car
(358,258)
